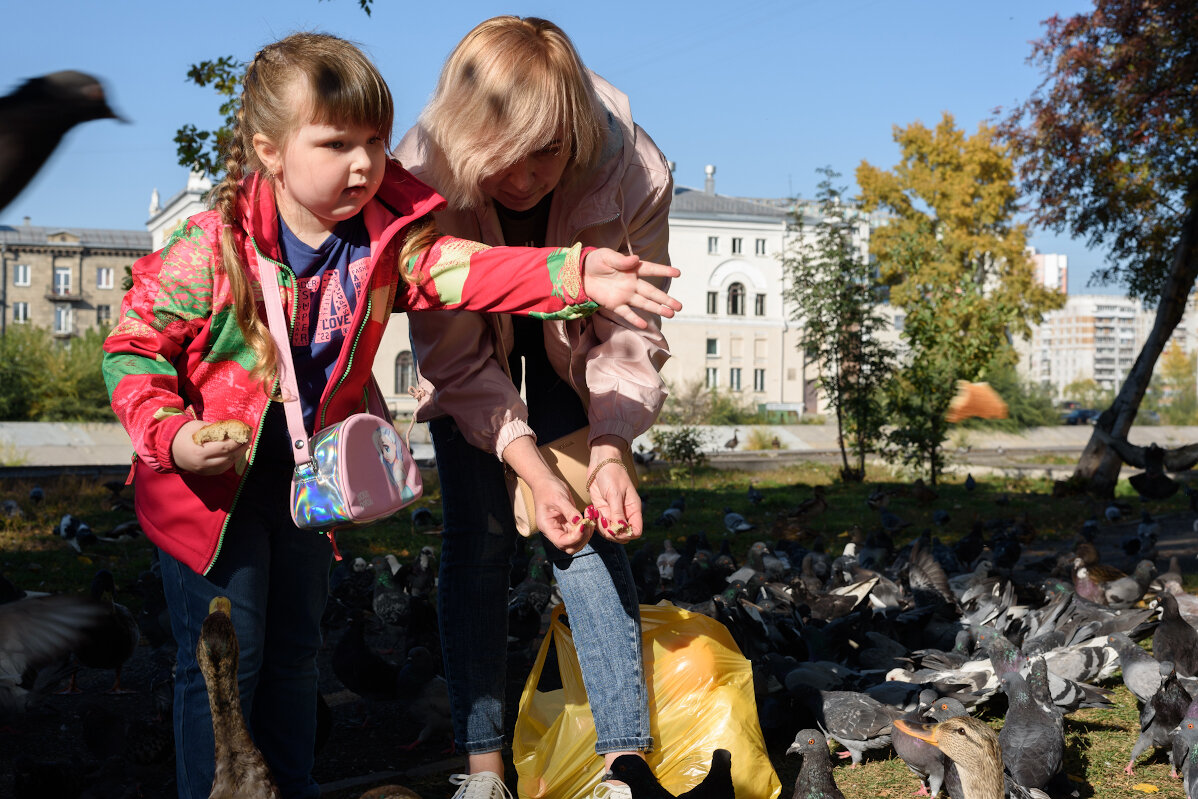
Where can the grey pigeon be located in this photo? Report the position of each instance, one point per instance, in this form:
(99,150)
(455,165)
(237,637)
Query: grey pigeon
(1160,715)
(856,721)
(923,759)
(735,523)
(35,117)
(815,780)
(1175,640)
(1183,738)
(1127,591)
(1032,743)
(1186,739)
(1141,672)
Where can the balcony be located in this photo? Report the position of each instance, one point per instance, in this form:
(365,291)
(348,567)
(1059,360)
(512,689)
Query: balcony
(63,294)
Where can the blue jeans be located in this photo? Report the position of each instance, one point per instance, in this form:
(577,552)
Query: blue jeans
(596,584)
(276,577)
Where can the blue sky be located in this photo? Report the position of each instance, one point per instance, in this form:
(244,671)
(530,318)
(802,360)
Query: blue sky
(766,90)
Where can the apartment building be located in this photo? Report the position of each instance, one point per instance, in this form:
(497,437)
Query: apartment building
(62,278)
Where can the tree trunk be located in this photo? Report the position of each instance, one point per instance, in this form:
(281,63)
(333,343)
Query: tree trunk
(1099,465)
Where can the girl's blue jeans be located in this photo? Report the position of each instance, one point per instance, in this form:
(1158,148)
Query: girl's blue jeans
(596,584)
(276,577)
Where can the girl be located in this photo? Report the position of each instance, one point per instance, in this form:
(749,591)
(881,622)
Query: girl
(309,189)
(559,162)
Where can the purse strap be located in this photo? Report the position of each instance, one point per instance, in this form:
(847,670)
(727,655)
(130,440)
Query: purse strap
(288,388)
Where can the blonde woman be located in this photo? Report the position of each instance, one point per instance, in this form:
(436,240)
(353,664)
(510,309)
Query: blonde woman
(529,146)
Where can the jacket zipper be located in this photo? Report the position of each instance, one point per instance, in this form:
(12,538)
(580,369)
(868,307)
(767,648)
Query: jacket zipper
(220,541)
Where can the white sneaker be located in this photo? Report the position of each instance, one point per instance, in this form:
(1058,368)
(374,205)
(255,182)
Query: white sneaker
(607,790)
(483,785)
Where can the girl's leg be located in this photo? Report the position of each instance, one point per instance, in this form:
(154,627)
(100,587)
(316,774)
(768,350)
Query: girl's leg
(475,573)
(285,699)
(240,577)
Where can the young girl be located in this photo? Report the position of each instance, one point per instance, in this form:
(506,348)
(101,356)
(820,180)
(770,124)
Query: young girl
(558,162)
(309,191)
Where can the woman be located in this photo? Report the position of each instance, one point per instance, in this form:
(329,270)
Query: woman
(528,146)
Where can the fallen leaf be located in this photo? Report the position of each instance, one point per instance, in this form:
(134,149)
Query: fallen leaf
(1145,787)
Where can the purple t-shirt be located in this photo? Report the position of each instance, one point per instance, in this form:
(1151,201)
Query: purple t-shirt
(329,281)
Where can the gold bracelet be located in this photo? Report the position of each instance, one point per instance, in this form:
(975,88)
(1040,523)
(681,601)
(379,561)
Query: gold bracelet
(600,465)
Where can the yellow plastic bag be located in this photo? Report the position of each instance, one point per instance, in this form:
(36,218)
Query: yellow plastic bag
(700,699)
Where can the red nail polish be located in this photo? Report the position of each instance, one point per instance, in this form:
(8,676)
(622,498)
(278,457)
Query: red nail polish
(575,520)
(623,523)
(604,521)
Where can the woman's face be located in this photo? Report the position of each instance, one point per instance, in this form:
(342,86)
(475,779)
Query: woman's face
(526,182)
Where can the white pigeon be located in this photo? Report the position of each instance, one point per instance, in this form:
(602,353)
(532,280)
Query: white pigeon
(735,523)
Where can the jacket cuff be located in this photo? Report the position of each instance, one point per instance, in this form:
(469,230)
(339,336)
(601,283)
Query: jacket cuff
(164,437)
(612,427)
(509,433)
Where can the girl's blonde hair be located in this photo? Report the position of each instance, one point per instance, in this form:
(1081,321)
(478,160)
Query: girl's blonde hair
(304,77)
(510,88)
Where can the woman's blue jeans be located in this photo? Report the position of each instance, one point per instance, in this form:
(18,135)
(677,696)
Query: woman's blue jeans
(276,577)
(596,584)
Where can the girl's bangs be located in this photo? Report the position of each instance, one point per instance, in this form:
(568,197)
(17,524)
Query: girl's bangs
(352,98)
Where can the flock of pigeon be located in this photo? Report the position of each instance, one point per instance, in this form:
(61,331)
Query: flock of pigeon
(883,647)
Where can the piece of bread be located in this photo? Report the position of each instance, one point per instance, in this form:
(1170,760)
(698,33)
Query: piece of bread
(219,431)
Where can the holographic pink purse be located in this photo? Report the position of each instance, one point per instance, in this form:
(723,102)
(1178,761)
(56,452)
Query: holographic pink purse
(352,473)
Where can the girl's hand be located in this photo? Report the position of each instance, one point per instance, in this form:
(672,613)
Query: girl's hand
(617,283)
(557,518)
(210,458)
(613,493)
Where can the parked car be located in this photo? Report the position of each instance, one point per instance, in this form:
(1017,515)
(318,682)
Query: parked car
(1081,416)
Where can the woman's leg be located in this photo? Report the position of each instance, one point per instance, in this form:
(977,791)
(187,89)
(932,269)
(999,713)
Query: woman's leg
(475,573)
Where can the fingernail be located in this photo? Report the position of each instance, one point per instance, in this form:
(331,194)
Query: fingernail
(575,520)
(603,521)
(623,523)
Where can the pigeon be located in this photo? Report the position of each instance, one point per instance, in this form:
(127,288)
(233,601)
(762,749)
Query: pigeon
(735,523)
(75,532)
(1160,715)
(1175,640)
(673,514)
(35,117)
(634,772)
(114,640)
(12,510)
(1141,672)
(815,780)
(425,694)
(856,721)
(970,483)
(1032,741)
(755,496)
(1126,591)
(732,442)
(423,521)
(666,560)
(37,495)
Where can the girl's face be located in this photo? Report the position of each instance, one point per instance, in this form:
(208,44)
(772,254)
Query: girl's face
(324,174)
(526,182)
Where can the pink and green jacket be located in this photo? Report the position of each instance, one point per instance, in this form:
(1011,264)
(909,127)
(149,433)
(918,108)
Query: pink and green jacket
(177,352)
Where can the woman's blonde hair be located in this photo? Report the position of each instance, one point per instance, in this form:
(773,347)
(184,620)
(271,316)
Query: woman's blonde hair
(304,77)
(510,88)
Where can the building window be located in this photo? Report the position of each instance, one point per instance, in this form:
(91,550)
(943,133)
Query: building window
(713,245)
(62,280)
(759,380)
(62,320)
(734,378)
(103,315)
(104,277)
(405,372)
(736,300)
(713,378)
(759,305)
(22,275)
(713,301)
(736,242)
(20,312)
(759,247)
(713,347)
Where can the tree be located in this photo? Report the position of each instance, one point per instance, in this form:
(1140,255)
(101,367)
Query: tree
(952,198)
(955,258)
(1178,400)
(1107,145)
(833,290)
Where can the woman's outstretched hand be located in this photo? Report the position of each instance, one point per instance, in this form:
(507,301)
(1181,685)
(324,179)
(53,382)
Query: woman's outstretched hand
(617,283)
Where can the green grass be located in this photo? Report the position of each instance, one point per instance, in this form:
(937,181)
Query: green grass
(1099,741)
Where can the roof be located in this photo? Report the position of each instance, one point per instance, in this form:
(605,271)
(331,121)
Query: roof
(689,202)
(88,237)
